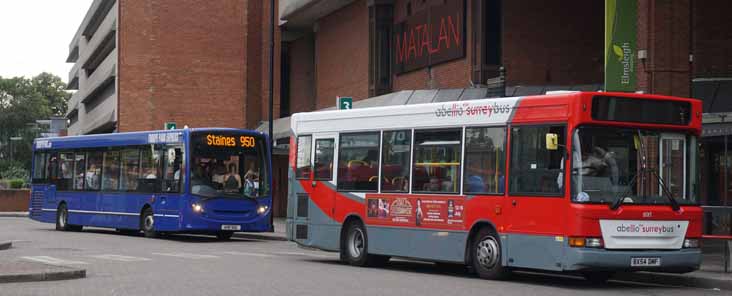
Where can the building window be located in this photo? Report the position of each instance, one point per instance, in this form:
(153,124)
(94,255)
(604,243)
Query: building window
(485,160)
(395,161)
(304,153)
(487,42)
(437,161)
(358,162)
(381,23)
(534,169)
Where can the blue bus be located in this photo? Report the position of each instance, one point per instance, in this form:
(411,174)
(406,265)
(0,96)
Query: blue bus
(203,180)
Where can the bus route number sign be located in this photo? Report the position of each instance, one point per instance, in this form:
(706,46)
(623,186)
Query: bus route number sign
(230,141)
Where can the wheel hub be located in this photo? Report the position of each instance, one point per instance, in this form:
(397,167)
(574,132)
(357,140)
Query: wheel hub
(356,243)
(488,252)
(62,219)
(149,222)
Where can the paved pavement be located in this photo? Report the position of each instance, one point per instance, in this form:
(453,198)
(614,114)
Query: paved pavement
(200,265)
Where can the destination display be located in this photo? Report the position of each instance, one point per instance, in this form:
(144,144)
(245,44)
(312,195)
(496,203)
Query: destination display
(230,141)
(415,210)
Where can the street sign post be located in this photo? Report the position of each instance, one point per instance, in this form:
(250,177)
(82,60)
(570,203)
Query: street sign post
(169,125)
(344,103)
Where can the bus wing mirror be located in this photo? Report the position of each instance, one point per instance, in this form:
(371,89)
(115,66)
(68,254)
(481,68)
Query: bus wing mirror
(552,141)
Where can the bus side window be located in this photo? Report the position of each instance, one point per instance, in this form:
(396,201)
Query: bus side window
(324,159)
(358,162)
(173,168)
(39,171)
(110,171)
(79,165)
(437,161)
(536,170)
(395,161)
(130,170)
(93,174)
(150,170)
(66,171)
(52,168)
(304,149)
(485,150)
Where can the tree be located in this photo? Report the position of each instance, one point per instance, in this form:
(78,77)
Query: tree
(23,101)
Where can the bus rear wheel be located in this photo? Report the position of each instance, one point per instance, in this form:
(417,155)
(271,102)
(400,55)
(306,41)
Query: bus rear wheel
(354,250)
(486,255)
(62,220)
(147,223)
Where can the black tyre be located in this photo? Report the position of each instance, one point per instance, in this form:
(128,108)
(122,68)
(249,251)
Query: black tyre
(224,235)
(354,250)
(62,218)
(147,223)
(486,255)
(597,277)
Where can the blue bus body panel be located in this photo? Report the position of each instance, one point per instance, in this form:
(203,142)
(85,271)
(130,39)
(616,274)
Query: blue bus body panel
(172,211)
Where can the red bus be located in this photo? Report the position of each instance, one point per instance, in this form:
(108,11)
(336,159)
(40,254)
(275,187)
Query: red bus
(584,182)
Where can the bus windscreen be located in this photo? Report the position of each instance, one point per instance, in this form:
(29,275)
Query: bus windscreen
(227,164)
(641,110)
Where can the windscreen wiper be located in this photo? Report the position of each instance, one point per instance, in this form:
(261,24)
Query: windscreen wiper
(646,170)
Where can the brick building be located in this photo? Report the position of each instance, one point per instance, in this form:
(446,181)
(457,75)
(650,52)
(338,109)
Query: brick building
(356,48)
(140,64)
(204,63)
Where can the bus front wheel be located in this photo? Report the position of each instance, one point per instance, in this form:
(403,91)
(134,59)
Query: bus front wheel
(486,255)
(147,223)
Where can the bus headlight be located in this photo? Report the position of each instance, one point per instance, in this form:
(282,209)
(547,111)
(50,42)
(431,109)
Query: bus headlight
(691,243)
(197,208)
(262,209)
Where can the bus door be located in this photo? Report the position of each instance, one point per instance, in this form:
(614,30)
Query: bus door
(672,162)
(322,211)
(533,235)
(168,201)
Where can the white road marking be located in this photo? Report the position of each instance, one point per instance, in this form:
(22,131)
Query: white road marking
(52,260)
(248,254)
(187,255)
(120,258)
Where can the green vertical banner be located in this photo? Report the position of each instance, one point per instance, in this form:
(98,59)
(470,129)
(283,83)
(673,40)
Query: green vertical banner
(620,44)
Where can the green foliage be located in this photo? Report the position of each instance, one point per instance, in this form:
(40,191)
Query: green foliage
(22,102)
(13,170)
(16,183)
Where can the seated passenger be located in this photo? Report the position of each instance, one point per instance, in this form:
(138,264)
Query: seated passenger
(232,180)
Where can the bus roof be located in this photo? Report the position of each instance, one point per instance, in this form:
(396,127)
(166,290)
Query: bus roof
(492,111)
(123,139)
